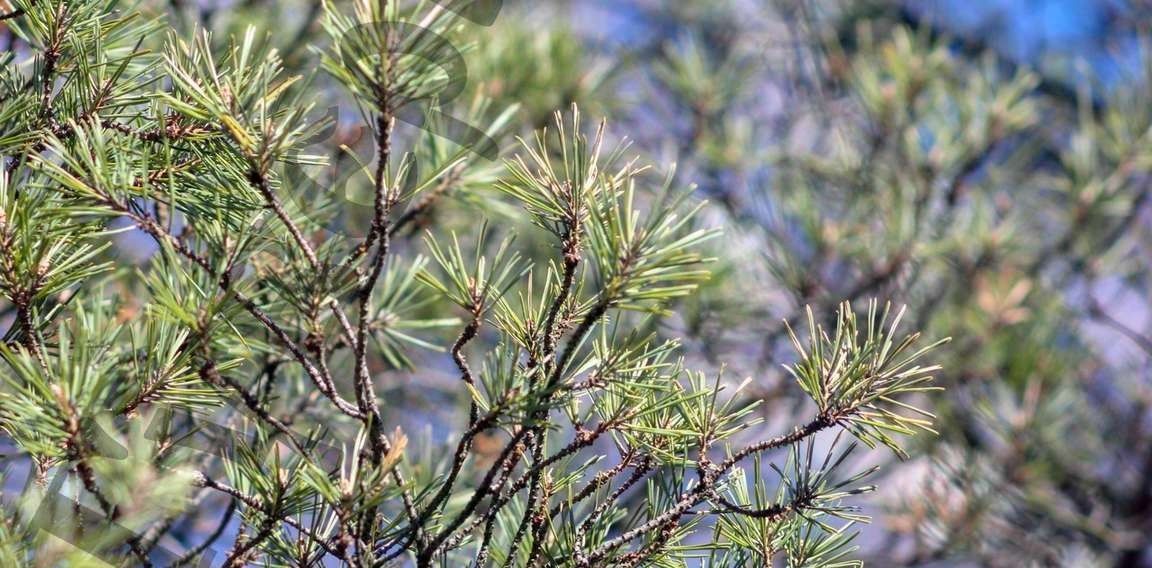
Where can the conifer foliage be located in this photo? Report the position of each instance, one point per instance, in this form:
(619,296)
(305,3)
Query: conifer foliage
(236,397)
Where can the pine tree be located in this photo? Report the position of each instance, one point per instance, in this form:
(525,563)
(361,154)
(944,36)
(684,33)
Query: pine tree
(242,394)
(995,182)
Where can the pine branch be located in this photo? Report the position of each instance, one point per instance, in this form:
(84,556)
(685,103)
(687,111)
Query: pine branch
(13,14)
(260,181)
(202,480)
(195,552)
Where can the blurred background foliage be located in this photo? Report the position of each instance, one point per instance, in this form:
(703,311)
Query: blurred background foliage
(986,163)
